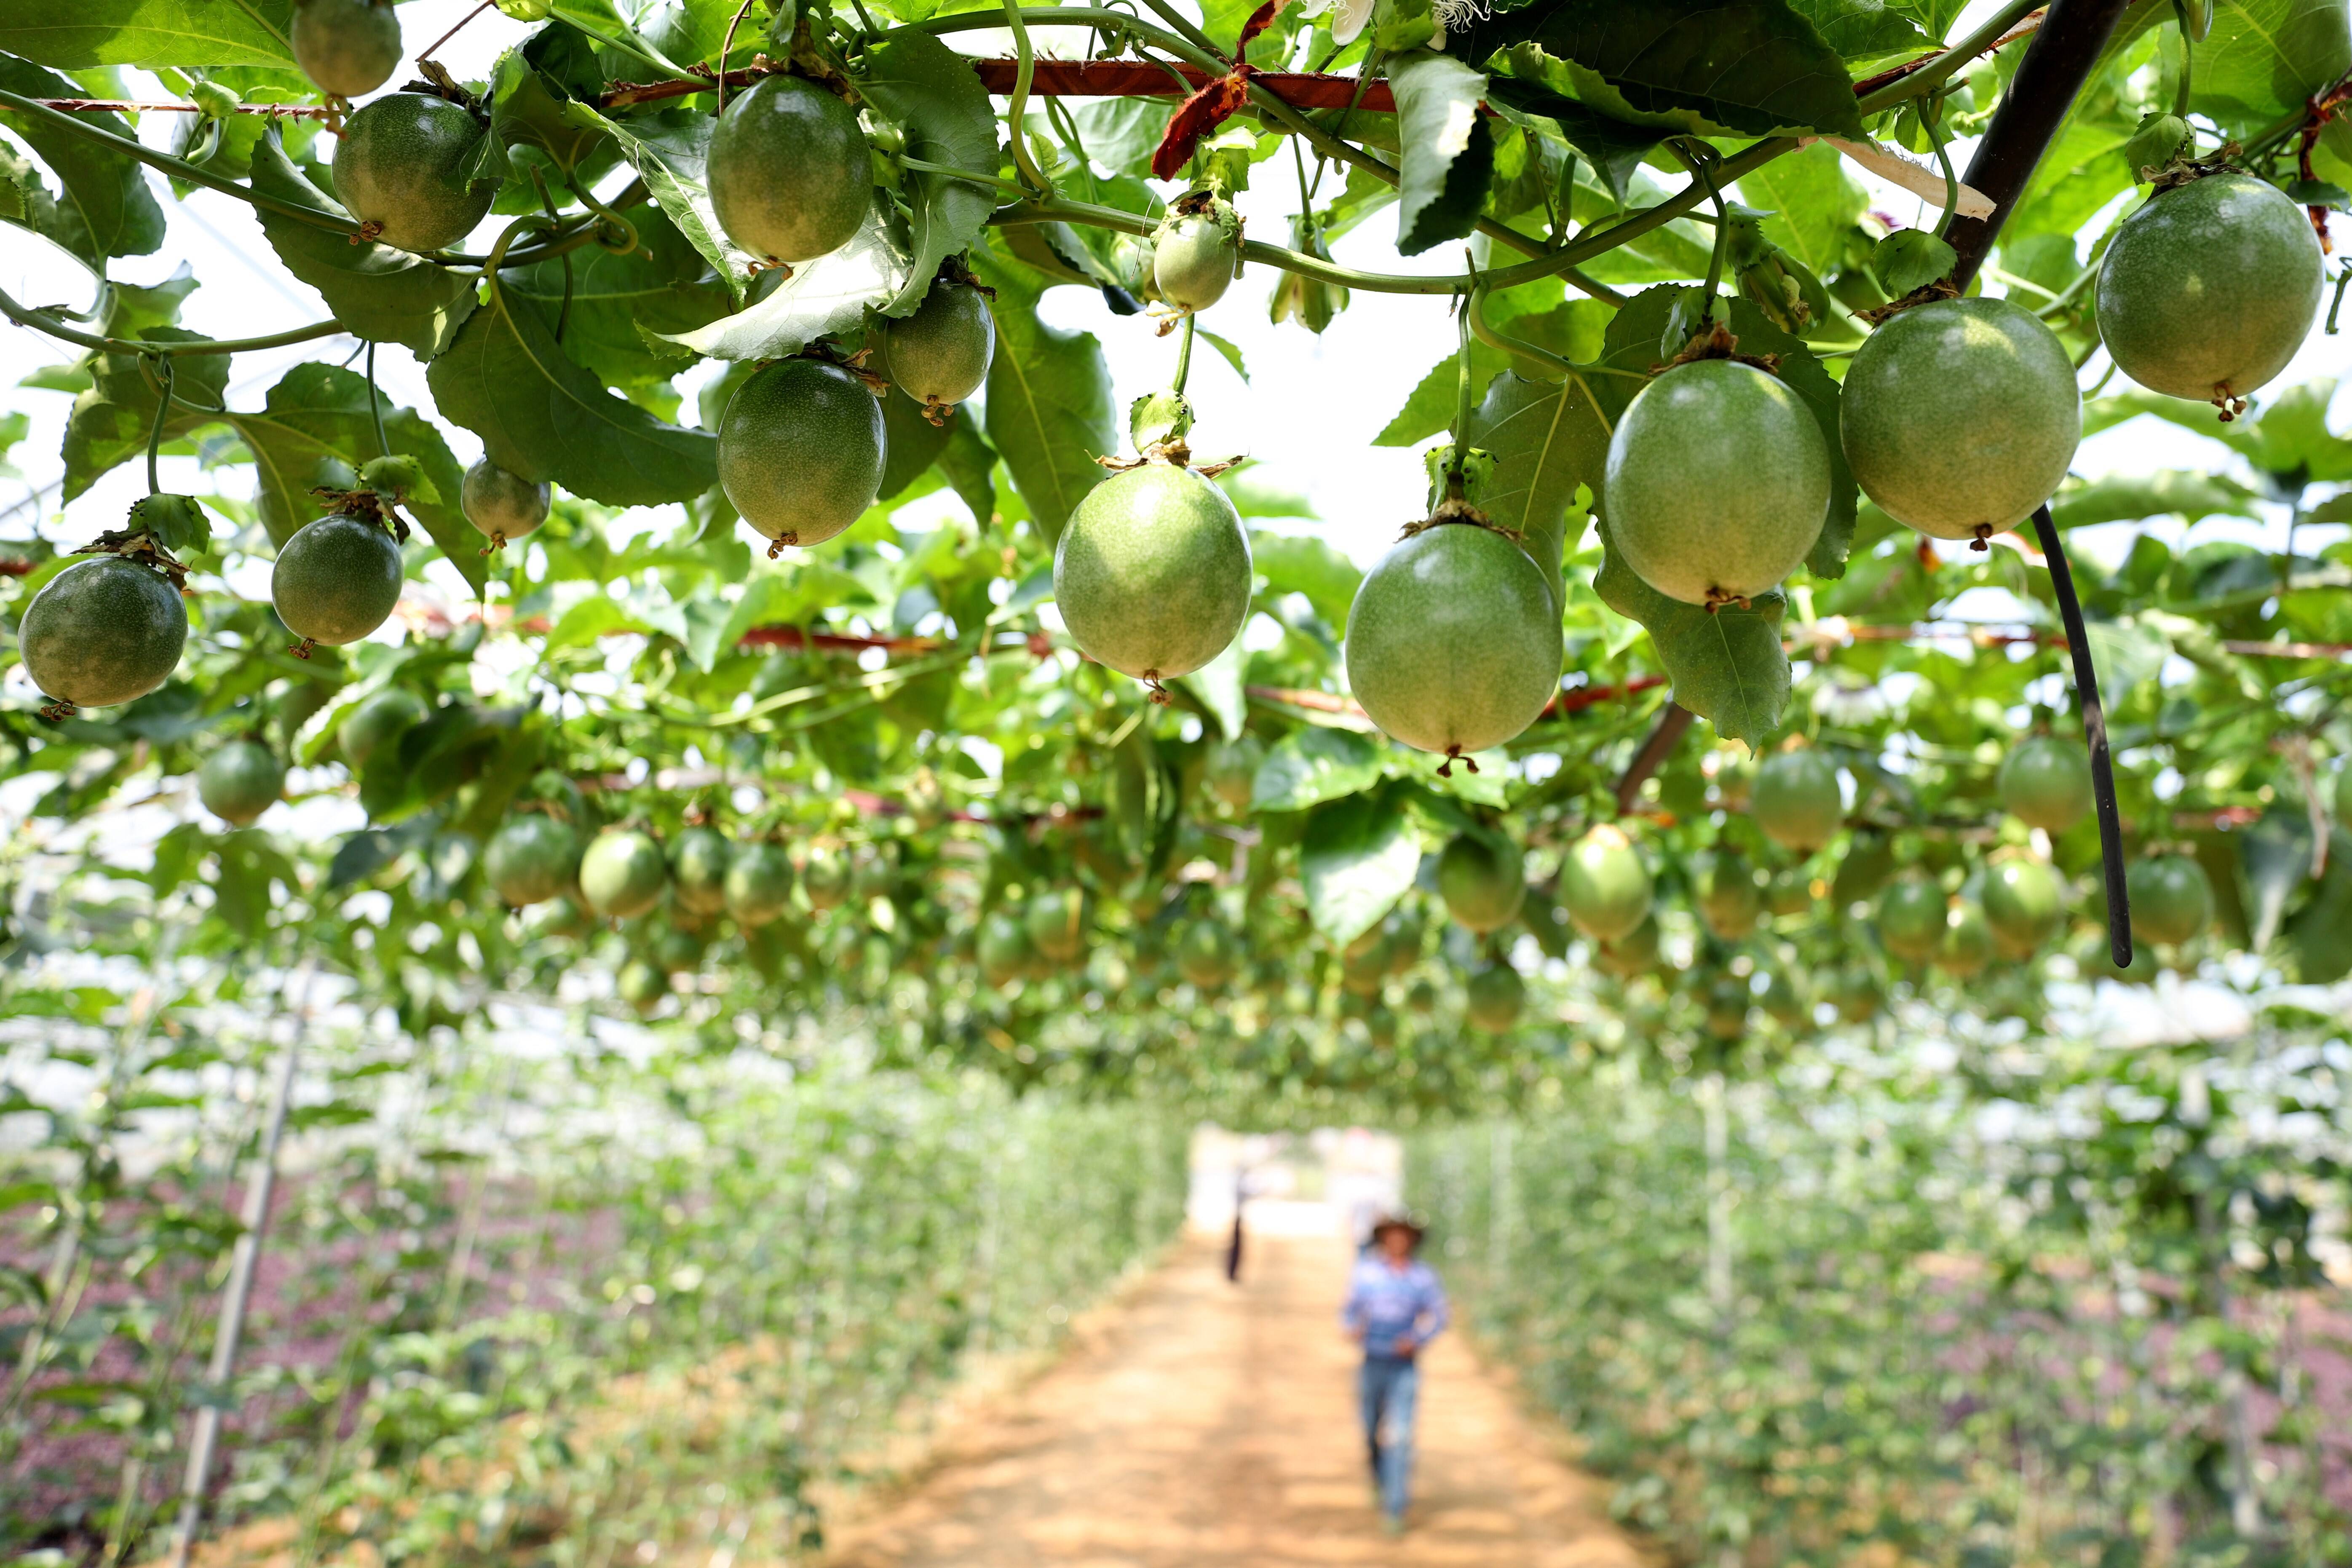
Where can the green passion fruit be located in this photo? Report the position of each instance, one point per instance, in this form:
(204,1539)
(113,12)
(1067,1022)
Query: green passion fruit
(1152,573)
(1968,945)
(1483,881)
(1790,893)
(1604,885)
(642,985)
(1454,641)
(1853,991)
(1796,801)
(347,47)
(1207,955)
(2208,288)
(1002,948)
(1727,1002)
(337,579)
(1057,923)
(825,879)
(241,781)
(1195,258)
(2045,783)
(938,356)
(801,452)
(622,873)
(1960,416)
(758,887)
(381,719)
(532,859)
(102,632)
(1784,1002)
(1717,482)
(502,506)
(1868,865)
(699,860)
(1729,899)
(1912,914)
(1494,997)
(790,173)
(1635,953)
(2025,903)
(398,170)
(2171,898)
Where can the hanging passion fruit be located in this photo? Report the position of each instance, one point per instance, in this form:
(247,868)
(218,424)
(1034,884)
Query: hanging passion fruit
(2208,288)
(1729,899)
(1854,993)
(1968,944)
(380,719)
(1635,953)
(2025,903)
(531,859)
(2171,898)
(1868,863)
(1057,923)
(1912,915)
(759,884)
(1195,255)
(1494,997)
(502,506)
(642,985)
(241,781)
(1604,885)
(1960,416)
(347,47)
(1207,955)
(398,169)
(1483,881)
(622,873)
(1152,573)
(790,173)
(940,355)
(336,580)
(801,452)
(699,860)
(1717,482)
(1454,642)
(1797,801)
(1783,1000)
(825,879)
(1003,950)
(103,631)
(2045,783)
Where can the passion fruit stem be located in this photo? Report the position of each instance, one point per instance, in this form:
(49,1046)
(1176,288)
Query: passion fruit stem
(1931,115)
(1183,357)
(1696,158)
(1017,109)
(162,369)
(2095,734)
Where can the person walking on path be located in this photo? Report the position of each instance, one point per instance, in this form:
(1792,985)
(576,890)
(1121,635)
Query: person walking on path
(1395,1306)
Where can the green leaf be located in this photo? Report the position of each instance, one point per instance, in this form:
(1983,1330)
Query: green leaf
(623,306)
(103,207)
(542,416)
(2274,861)
(534,92)
(931,93)
(1301,563)
(379,293)
(2127,498)
(1538,96)
(2319,937)
(1311,765)
(1861,29)
(1911,258)
(1547,442)
(911,443)
(1727,665)
(2126,652)
(1219,686)
(1356,860)
(1449,152)
(177,522)
(1050,410)
(830,294)
(110,422)
(75,35)
(669,151)
(2266,57)
(1815,205)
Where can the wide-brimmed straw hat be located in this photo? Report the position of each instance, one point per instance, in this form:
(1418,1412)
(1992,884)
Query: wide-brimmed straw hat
(1389,1222)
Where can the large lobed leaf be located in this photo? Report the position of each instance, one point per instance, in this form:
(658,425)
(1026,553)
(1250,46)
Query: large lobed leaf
(830,294)
(102,207)
(1050,410)
(1448,158)
(1727,665)
(1358,857)
(931,93)
(76,35)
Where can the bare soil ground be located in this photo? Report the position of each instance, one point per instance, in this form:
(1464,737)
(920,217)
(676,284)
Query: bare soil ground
(1203,1422)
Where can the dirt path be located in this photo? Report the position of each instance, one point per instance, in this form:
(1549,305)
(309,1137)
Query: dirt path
(1211,1424)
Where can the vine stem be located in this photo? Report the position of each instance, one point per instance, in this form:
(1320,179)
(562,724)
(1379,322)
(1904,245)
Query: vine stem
(2188,60)
(375,398)
(163,373)
(46,324)
(727,48)
(1184,354)
(1460,455)
(2095,734)
(1931,115)
(1017,109)
(1697,164)
(426,53)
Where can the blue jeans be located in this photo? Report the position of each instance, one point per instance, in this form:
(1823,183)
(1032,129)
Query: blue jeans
(1388,1388)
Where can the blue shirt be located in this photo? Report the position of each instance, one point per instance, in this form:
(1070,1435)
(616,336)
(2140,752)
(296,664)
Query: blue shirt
(1386,1303)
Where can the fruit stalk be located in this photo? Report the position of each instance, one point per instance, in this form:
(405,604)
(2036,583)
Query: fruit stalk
(2095,734)
(2056,65)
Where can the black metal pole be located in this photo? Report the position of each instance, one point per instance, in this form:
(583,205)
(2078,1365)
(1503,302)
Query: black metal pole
(2094,734)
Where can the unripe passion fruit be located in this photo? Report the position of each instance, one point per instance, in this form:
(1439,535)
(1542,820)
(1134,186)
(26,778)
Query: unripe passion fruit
(1911,919)
(2025,903)
(241,781)
(2171,898)
(1869,862)
(502,506)
(1454,641)
(677,952)
(378,721)
(1604,885)
(346,48)
(759,884)
(1635,953)
(103,631)
(1153,573)
(1729,900)
(1483,881)
(642,985)
(801,450)
(1057,924)
(397,168)
(1727,1001)
(1789,893)
(1855,995)
(337,579)
(2207,291)
(1968,942)
(1784,1002)
(622,873)
(938,356)
(1232,773)
(825,879)
(1717,482)
(531,859)
(790,174)
(2045,783)
(699,859)
(1960,416)
(1002,948)
(1494,998)
(1194,259)
(1206,955)
(1797,802)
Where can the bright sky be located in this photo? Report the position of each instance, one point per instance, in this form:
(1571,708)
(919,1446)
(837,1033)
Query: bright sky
(1309,412)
